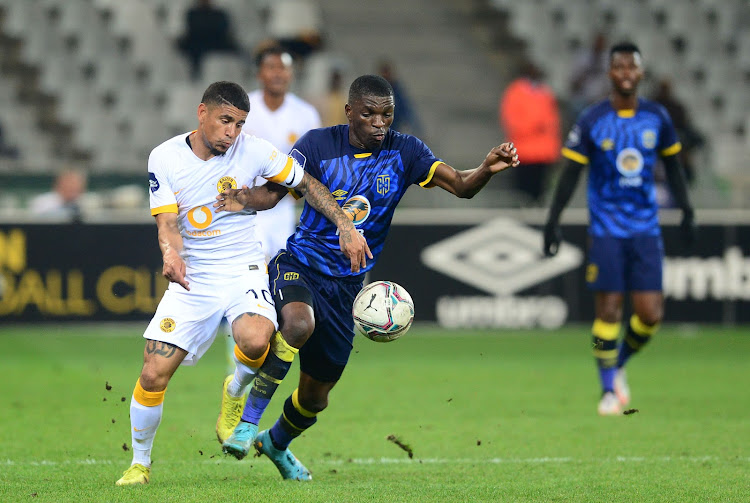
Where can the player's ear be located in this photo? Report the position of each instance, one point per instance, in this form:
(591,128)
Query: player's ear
(348,111)
(202,111)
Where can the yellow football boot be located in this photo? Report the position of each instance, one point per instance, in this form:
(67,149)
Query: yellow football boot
(136,474)
(230,414)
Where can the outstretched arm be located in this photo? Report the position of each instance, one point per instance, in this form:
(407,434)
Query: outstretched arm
(468,183)
(170,242)
(257,198)
(353,245)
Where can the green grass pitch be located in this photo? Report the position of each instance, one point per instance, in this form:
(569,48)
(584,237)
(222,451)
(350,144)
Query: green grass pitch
(490,416)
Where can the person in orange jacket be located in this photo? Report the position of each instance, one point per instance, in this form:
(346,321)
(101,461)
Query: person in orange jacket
(530,117)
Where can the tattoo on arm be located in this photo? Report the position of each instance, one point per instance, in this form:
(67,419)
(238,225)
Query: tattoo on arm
(320,198)
(164,349)
(250,315)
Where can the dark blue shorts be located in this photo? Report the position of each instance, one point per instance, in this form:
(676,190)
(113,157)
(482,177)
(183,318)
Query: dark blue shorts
(625,264)
(326,352)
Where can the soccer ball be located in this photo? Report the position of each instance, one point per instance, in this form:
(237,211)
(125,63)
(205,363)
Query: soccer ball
(383,311)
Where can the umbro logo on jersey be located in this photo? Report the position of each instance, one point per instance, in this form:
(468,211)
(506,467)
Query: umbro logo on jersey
(339,194)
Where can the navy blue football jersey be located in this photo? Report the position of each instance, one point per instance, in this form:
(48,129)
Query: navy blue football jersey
(368,185)
(621,149)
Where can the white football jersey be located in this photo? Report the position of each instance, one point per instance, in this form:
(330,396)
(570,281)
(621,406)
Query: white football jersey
(282,127)
(182,183)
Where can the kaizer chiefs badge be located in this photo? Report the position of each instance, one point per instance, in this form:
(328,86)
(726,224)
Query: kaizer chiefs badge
(167,325)
(226,183)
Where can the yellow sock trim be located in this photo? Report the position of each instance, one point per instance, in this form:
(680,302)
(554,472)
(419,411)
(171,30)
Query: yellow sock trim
(242,358)
(605,330)
(641,328)
(300,409)
(147,398)
(291,424)
(268,377)
(281,349)
(605,354)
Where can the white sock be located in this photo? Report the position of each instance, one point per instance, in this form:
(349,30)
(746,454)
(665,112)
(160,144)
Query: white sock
(243,376)
(144,421)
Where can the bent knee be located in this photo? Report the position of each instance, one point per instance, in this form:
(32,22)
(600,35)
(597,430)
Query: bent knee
(651,317)
(314,404)
(153,380)
(297,330)
(252,334)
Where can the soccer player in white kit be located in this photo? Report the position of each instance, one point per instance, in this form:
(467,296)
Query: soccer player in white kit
(213,261)
(280,117)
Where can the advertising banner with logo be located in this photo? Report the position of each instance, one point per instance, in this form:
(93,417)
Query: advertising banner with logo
(494,275)
(79,272)
(462,269)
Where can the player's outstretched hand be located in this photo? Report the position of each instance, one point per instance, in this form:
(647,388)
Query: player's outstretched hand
(232,200)
(354,246)
(688,231)
(552,239)
(502,157)
(174,269)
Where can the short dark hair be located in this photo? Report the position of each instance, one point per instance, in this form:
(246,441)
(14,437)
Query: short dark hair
(369,85)
(628,47)
(226,93)
(269,50)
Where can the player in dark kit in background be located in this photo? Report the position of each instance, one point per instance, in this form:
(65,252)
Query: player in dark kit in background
(368,168)
(620,139)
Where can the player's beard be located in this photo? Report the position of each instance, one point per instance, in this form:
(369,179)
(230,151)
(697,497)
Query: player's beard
(626,92)
(215,151)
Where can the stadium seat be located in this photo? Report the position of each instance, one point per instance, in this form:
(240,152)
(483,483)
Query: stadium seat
(576,18)
(742,42)
(289,18)
(530,18)
(181,107)
(219,66)
(174,12)
(37,44)
(57,72)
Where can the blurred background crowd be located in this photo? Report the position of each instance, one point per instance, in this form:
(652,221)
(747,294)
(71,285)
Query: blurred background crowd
(89,87)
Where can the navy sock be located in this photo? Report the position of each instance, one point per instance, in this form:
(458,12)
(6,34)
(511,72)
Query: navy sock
(636,336)
(292,423)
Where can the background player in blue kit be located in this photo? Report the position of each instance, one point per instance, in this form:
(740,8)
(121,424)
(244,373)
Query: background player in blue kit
(368,168)
(620,140)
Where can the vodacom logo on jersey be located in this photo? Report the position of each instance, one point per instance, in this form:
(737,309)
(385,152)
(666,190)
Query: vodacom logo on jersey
(200,218)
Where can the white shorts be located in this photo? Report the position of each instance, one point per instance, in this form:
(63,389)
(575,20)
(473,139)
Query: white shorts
(190,319)
(274,226)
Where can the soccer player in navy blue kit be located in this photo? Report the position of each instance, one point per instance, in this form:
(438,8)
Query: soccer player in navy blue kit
(368,168)
(620,139)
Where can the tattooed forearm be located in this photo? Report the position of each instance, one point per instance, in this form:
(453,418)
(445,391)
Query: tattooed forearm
(320,198)
(164,349)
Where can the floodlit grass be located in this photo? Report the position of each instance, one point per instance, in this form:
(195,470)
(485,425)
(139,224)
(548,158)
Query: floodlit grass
(490,416)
